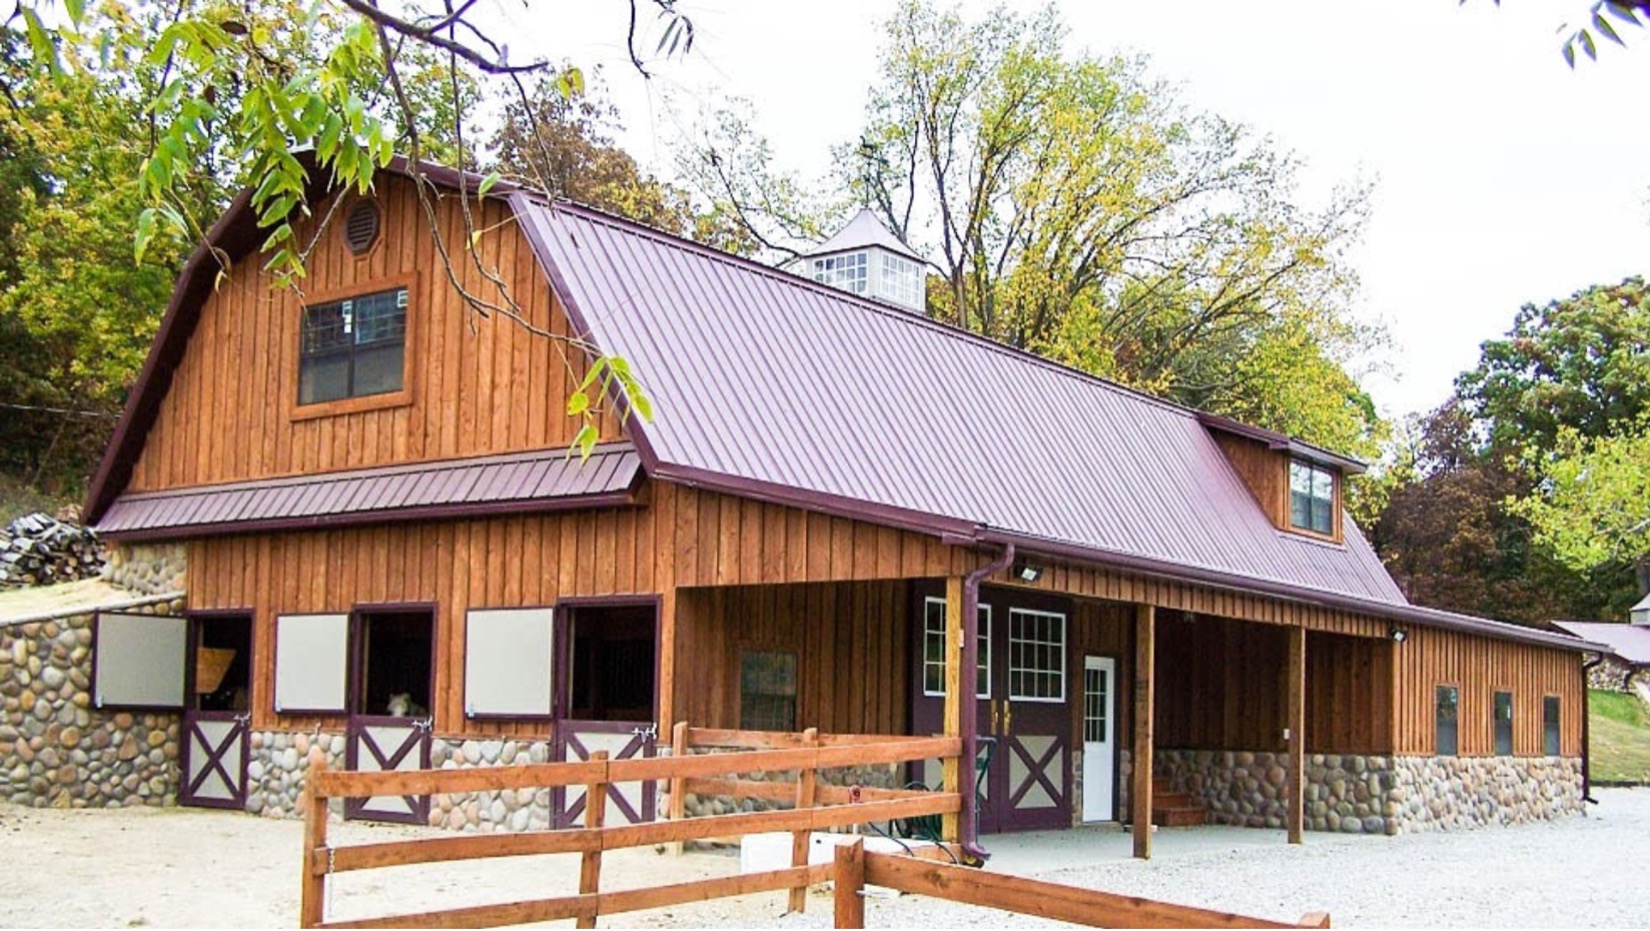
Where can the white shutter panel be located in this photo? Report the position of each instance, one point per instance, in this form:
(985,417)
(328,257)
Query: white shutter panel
(140,660)
(508,662)
(311,662)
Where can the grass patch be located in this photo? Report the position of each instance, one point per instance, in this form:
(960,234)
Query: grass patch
(1620,737)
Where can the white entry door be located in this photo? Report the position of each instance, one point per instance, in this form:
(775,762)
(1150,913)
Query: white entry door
(1099,737)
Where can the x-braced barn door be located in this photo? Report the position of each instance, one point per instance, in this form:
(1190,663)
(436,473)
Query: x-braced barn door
(216,715)
(607,653)
(392,669)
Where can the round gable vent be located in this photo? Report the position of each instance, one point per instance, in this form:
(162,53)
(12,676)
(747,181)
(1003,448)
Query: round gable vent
(361,226)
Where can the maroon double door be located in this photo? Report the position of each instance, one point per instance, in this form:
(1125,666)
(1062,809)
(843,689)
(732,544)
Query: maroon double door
(1023,703)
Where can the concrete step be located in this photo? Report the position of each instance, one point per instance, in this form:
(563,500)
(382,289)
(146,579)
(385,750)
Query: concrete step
(1173,800)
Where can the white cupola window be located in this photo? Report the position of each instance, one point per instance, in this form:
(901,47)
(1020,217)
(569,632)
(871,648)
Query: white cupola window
(864,258)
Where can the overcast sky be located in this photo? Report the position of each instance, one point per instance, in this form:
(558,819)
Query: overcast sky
(1501,177)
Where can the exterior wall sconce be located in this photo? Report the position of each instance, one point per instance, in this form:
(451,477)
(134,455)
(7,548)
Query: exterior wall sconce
(1026,572)
(1398,634)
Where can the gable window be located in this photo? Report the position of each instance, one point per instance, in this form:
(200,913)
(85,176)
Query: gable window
(1549,725)
(1503,724)
(1446,715)
(1311,497)
(353,348)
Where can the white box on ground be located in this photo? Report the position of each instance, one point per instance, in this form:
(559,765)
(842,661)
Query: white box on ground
(761,853)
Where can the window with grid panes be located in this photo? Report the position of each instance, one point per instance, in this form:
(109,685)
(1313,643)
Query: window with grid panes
(933,649)
(1036,655)
(1095,725)
(353,348)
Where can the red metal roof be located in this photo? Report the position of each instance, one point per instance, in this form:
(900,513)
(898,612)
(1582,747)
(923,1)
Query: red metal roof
(767,381)
(515,483)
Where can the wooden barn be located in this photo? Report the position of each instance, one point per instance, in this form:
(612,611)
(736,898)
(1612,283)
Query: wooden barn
(838,508)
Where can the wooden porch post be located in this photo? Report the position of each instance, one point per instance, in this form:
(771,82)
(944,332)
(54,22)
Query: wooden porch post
(1140,791)
(1296,725)
(952,777)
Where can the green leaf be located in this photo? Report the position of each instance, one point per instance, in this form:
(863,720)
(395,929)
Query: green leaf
(1570,53)
(145,232)
(1588,45)
(596,368)
(1603,25)
(586,440)
(487,183)
(76,10)
(642,406)
(578,403)
(40,41)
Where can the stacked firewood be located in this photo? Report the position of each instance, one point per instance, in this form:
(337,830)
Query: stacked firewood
(38,549)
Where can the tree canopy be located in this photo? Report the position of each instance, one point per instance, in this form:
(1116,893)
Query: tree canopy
(1071,205)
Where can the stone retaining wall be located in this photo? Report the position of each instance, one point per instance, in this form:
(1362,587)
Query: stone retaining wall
(55,748)
(1376,794)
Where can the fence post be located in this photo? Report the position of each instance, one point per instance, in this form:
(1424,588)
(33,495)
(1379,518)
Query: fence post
(805,791)
(313,886)
(678,801)
(595,812)
(849,879)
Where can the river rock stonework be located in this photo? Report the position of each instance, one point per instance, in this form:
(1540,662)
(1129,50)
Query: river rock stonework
(1455,793)
(1376,794)
(147,568)
(278,766)
(527,809)
(56,750)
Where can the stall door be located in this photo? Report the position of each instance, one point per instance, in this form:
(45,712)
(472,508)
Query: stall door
(392,666)
(1033,723)
(607,701)
(1099,738)
(216,715)
(1024,712)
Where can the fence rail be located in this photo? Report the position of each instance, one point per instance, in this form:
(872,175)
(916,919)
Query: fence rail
(815,807)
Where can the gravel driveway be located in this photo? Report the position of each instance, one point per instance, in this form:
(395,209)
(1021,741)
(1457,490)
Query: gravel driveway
(193,868)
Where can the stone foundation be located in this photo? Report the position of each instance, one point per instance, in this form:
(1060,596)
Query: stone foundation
(147,568)
(1376,794)
(1455,793)
(56,749)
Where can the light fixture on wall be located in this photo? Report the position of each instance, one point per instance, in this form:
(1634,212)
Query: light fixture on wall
(1027,572)
(1398,634)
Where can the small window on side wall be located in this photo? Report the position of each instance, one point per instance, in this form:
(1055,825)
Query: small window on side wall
(1448,703)
(767,690)
(353,348)
(1503,724)
(1549,725)
(1311,497)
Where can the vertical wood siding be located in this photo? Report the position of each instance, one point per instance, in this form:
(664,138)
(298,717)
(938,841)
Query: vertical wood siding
(1348,694)
(478,385)
(1265,471)
(1480,667)
(851,639)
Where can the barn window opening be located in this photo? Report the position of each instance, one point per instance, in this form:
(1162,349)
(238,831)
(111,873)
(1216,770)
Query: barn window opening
(1549,725)
(1503,724)
(767,690)
(933,649)
(1447,715)
(223,663)
(353,348)
(394,663)
(611,666)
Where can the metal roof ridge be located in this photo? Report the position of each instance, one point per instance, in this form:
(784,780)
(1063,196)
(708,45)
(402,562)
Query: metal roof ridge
(952,331)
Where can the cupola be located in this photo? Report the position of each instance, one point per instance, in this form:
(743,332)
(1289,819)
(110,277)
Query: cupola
(866,258)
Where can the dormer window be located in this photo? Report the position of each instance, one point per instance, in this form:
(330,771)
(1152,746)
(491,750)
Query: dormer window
(1311,497)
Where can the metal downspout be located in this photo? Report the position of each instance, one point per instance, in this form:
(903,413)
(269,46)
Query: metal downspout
(970,826)
(1586,736)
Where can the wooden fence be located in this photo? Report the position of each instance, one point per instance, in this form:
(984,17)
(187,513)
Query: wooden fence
(815,808)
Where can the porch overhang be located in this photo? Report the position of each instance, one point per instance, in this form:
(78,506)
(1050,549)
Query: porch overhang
(521,483)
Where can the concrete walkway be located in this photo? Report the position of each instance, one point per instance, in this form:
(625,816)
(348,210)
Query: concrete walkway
(1033,852)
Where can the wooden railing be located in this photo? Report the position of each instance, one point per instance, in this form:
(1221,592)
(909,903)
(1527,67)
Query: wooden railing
(815,808)
(854,868)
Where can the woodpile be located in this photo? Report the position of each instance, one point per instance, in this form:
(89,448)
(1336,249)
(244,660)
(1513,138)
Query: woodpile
(38,549)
